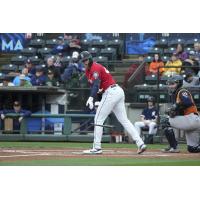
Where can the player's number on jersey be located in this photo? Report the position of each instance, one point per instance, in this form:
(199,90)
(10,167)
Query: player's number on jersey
(106,70)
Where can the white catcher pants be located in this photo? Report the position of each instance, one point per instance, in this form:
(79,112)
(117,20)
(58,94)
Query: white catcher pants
(113,101)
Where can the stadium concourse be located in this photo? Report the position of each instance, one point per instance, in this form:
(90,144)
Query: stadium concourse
(43,73)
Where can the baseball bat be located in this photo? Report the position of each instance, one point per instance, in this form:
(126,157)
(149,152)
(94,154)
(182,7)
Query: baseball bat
(105,126)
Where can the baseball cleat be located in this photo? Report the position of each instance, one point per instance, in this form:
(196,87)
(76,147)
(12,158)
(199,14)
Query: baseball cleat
(141,149)
(170,150)
(93,151)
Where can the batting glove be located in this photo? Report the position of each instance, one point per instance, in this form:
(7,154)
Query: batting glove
(90,103)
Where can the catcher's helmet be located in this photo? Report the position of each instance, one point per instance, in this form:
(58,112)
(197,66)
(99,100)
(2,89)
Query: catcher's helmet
(172,80)
(85,55)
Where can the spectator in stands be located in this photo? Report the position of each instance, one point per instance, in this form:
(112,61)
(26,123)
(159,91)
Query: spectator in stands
(148,118)
(192,63)
(16,110)
(73,42)
(31,68)
(51,80)
(197,51)
(155,64)
(16,80)
(58,62)
(51,66)
(190,79)
(6,81)
(39,79)
(74,70)
(24,82)
(175,63)
(138,79)
(180,53)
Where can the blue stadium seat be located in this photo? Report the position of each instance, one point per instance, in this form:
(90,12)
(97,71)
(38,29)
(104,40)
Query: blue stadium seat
(165,58)
(162,43)
(85,44)
(188,49)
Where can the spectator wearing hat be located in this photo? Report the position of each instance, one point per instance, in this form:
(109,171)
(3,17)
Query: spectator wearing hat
(51,80)
(51,66)
(149,118)
(31,67)
(6,81)
(192,63)
(39,79)
(175,66)
(17,109)
(16,80)
(197,51)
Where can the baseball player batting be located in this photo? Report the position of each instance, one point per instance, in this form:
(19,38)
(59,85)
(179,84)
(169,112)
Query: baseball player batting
(182,115)
(112,101)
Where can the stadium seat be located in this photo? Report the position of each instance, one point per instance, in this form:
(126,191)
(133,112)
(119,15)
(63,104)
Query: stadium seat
(190,43)
(35,60)
(117,44)
(94,51)
(30,51)
(175,42)
(188,49)
(162,43)
(18,60)
(155,50)
(85,44)
(49,56)
(169,51)
(110,53)
(65,60)
(100,59)
(37,43)
(51,43)
(165,58)
(151,79)
(9,68)
(101,44)
(149,59)
(44,51)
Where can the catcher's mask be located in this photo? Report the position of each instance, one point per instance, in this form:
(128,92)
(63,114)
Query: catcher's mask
(174,83)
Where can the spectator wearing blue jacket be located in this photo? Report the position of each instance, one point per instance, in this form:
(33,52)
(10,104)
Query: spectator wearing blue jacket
(16,110)
(16,80)
(39,79)
(74,68)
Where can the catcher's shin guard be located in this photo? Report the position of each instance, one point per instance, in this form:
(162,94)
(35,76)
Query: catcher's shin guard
(169,133)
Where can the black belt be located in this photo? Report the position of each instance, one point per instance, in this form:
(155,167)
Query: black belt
(112,86)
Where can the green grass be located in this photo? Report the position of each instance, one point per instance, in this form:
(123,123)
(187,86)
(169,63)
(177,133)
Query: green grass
(93,161)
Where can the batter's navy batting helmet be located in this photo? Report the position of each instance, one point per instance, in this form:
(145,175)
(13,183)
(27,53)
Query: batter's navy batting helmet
(85,55)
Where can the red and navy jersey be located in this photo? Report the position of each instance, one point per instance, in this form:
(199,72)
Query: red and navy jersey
(98,73)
